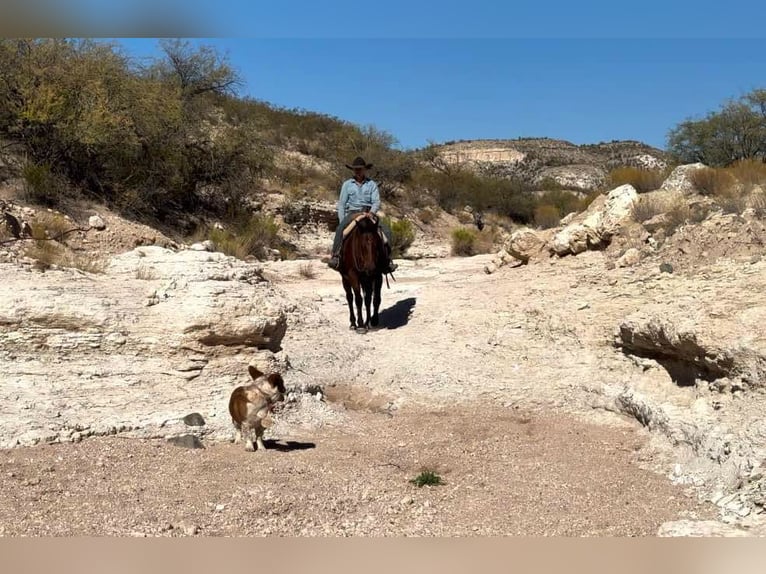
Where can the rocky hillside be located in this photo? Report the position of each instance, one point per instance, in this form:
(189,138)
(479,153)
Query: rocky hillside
(540,160)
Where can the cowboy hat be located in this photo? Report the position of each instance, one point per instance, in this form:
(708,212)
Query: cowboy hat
(359,162)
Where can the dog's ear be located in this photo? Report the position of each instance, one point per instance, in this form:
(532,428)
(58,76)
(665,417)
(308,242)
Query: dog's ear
(254,372)
(276,380)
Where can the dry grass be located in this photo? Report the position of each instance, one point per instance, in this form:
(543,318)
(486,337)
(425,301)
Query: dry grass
(51,225)
(642,179)
(547,216)
(48,253)
(713,181)
(146,273)
(758,203)
(677,214)
(307,271)
(647,207)
(750,173)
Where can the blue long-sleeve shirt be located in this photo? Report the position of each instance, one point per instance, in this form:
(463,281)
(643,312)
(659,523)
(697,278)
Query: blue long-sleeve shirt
(355,197)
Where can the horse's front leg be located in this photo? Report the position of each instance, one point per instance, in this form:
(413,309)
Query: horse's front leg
(358,299)
(368,285)
(350,301)
(376,298)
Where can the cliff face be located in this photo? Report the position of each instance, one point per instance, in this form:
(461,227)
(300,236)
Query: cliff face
(537,160)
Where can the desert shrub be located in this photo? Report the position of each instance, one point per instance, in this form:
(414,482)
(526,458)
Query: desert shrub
(749,172)
(550,184)
(426,215)
(547,216)
(463,242)
(249,236)
(41,186)
(758,203)
(678,213)
(565,201)
(732,202)
(641,179)
(647,207)
(403,234)
(712,181)
(50,225)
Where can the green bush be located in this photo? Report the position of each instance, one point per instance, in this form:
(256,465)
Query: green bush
(403,234)
(250,236)
(463,242)
(42,186)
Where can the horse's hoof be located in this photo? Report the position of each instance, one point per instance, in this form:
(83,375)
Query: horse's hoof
(361,330)
(352,328)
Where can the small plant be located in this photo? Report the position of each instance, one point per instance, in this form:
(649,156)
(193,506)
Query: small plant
(427,478)
(463,242)
(307,271)
(547,216)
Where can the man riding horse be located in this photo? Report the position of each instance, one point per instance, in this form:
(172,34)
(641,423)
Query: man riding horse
(359,194)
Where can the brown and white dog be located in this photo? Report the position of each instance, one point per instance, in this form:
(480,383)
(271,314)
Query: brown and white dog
(251,404)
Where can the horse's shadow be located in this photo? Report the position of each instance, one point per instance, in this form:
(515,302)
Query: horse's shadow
(287,446)
(398,315)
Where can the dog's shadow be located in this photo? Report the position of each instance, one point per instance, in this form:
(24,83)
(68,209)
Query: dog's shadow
(287,446)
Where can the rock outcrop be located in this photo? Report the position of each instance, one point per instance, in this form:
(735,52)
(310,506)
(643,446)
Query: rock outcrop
(174,331)
(535,160)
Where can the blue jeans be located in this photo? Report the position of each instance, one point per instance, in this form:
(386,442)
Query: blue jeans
(338,241)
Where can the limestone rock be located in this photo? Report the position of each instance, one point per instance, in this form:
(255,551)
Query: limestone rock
(679,179)
(700,529)
(96,222)
(595,227)
(630,258)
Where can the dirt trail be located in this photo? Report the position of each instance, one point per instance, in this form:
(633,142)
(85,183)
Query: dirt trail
(487,379)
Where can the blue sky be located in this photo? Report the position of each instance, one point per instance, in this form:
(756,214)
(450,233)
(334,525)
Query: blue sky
(582,90)
(585,71)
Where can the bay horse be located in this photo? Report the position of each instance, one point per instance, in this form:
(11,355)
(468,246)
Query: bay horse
(361,264)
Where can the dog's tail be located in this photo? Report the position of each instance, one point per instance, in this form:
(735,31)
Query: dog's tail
(238,406)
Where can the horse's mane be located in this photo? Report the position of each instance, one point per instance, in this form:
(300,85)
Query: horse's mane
(359,260)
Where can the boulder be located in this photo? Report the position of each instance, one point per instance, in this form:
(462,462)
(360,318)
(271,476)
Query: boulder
(630,258)
(95,222)
(679,180)
(594,228)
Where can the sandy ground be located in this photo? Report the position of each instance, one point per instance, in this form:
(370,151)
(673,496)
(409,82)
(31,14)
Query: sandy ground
(505,472)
